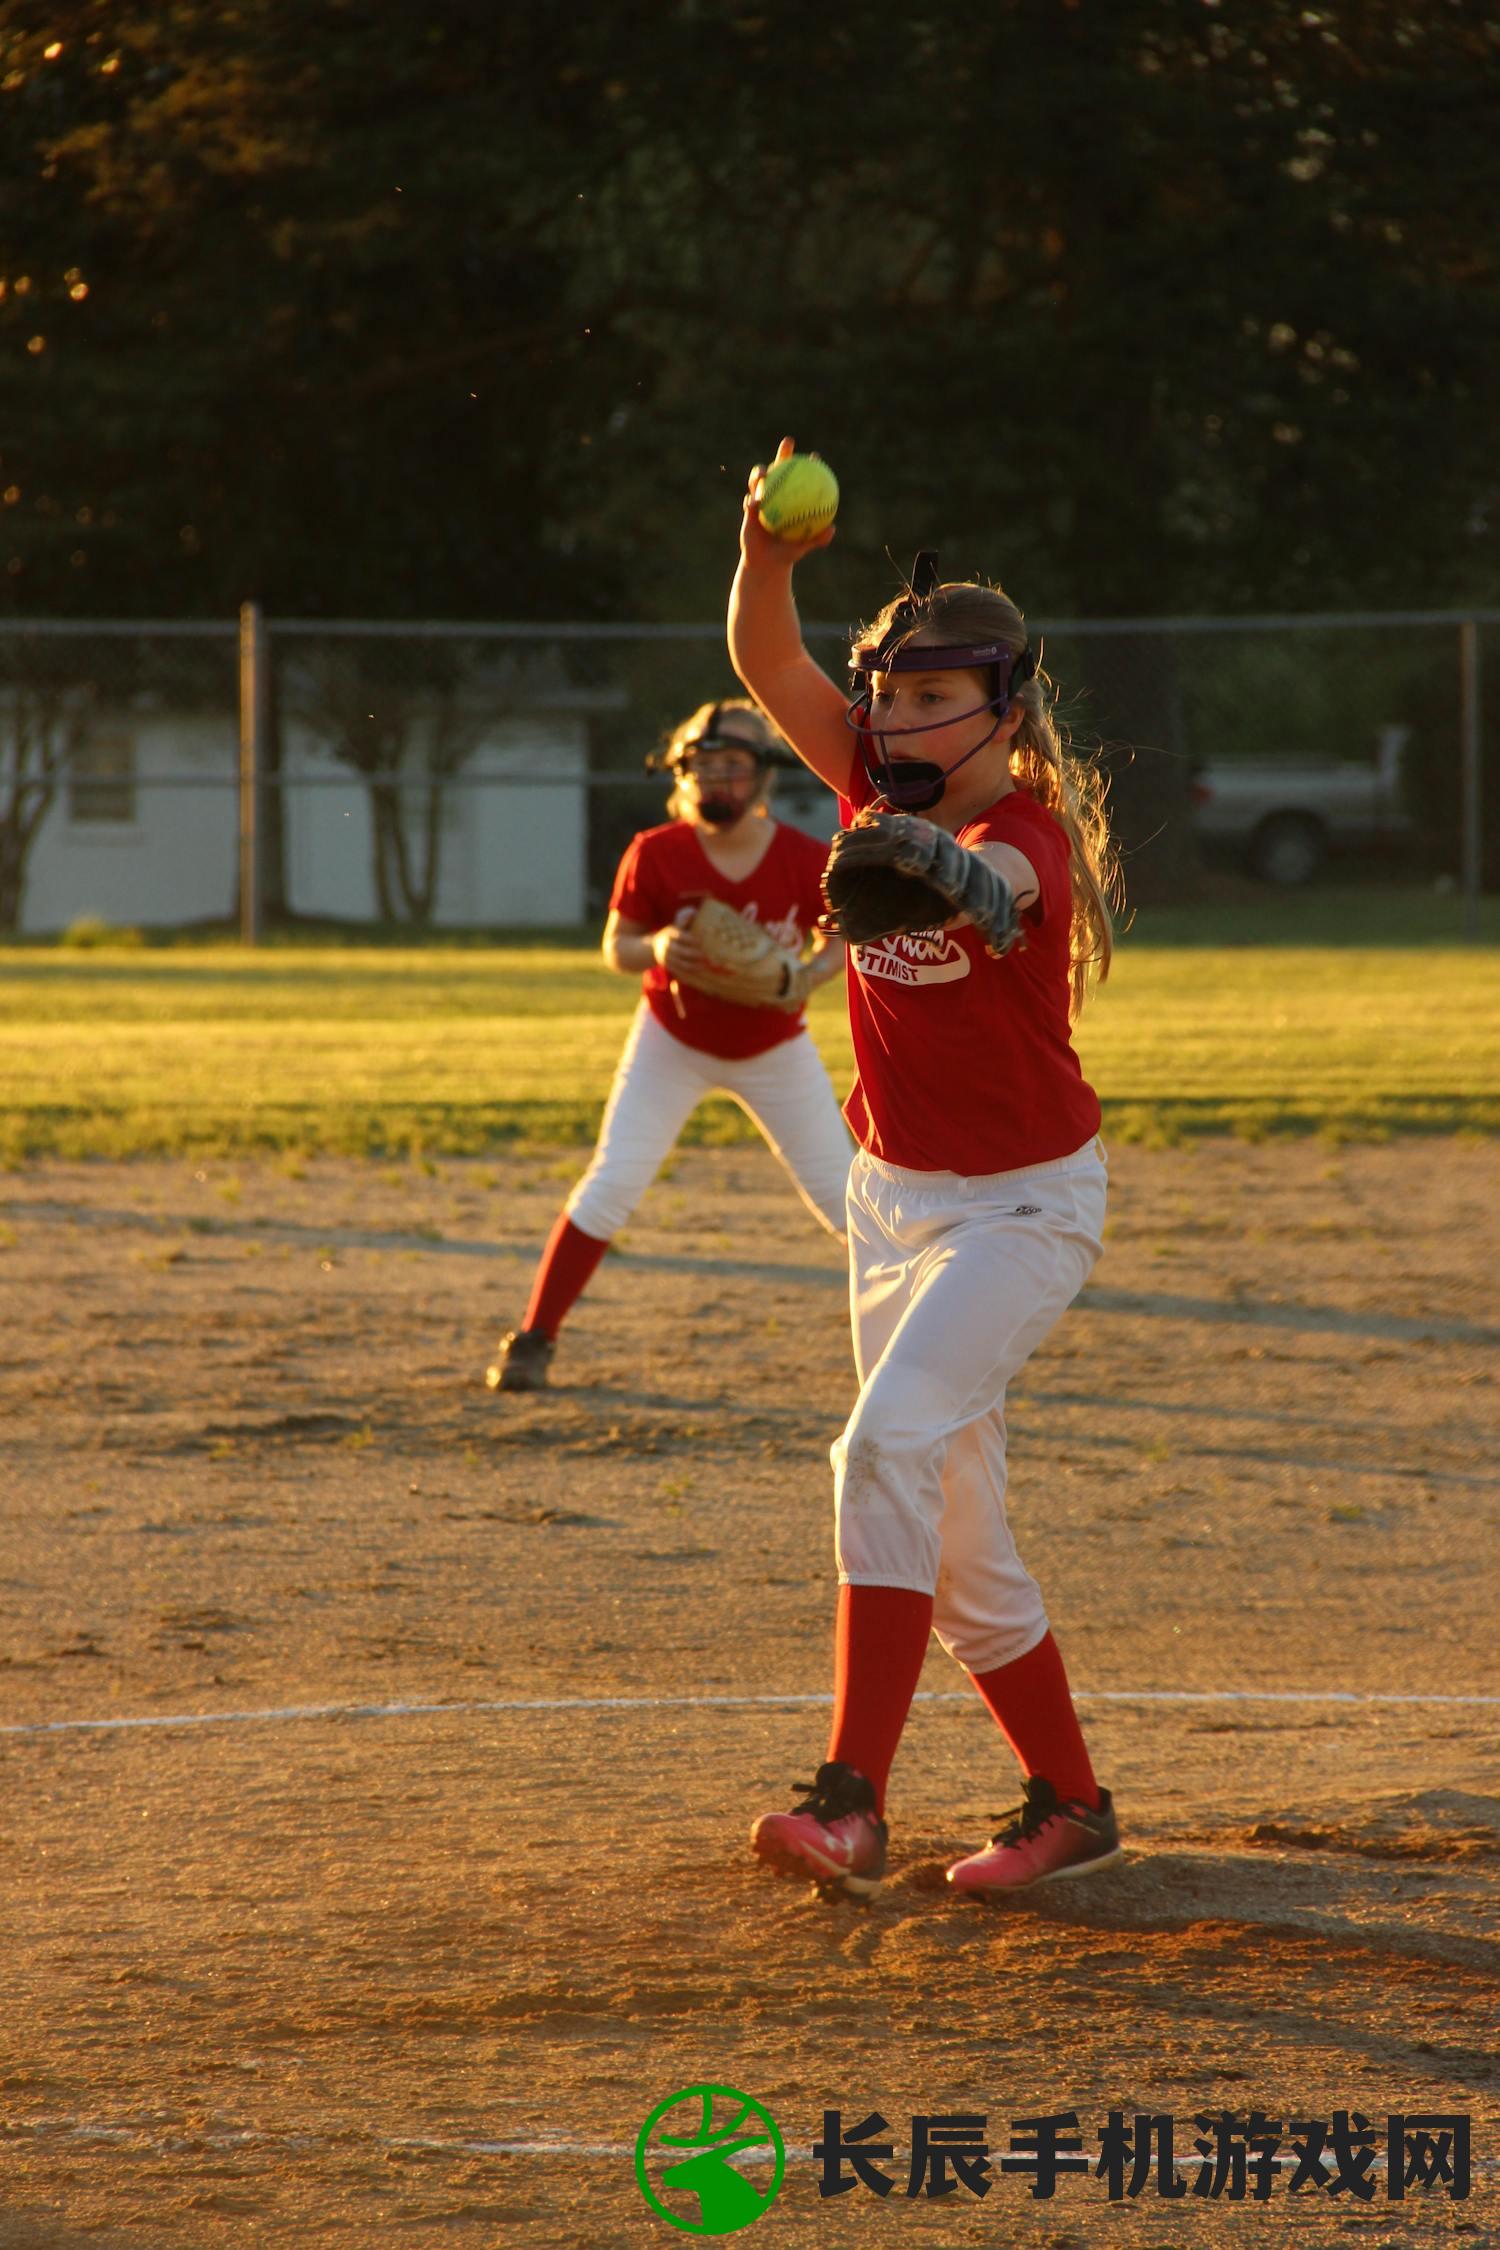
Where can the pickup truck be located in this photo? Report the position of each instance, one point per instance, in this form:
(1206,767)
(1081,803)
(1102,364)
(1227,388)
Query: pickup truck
(1285,817)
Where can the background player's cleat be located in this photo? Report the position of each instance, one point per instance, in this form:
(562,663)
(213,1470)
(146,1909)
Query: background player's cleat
(833,1838)
(1041,1839)
(524,1358)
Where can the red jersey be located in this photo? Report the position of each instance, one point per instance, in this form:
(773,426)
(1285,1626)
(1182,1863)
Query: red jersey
(666,873)
(965,1063)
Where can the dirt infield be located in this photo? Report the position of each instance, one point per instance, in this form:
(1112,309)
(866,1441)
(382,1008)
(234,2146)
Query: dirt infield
(340,1969)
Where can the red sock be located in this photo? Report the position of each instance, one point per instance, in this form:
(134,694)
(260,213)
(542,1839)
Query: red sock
(1034,1707)
(880,1644)
(566,1270)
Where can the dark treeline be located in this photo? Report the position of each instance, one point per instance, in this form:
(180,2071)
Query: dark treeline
(480,310)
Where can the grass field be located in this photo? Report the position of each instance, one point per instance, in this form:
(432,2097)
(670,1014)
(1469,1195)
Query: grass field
(1367,1017)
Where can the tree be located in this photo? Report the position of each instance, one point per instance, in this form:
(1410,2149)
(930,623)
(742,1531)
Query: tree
(312,359)
(1164,305)
(45,714)
(407,716)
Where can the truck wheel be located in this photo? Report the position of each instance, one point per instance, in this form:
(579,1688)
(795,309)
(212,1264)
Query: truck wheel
(1288,848)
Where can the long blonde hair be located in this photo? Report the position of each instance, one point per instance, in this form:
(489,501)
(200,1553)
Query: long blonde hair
(1042,761)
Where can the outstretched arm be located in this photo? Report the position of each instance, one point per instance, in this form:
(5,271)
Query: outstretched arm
(827,959)
(765,646)
(1015,867)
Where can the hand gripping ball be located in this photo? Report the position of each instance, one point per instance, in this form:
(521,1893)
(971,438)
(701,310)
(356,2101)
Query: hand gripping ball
(800,497)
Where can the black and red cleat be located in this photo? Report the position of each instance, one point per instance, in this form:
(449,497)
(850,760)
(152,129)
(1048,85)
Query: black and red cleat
(834,1838)
(522,1361)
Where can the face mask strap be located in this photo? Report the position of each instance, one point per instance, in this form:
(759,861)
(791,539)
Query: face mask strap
(710,737)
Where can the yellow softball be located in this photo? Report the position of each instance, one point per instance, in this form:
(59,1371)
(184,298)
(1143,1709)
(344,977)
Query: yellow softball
(800,497)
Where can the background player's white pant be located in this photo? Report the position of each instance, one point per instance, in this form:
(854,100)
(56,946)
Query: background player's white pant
(660,1082)
(953,1284)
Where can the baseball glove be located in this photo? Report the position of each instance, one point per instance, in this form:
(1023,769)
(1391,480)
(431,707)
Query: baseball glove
(745,964)
(892,872)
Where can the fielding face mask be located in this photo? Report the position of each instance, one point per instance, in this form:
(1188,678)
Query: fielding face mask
(716,806)
(721,812)
(917,784)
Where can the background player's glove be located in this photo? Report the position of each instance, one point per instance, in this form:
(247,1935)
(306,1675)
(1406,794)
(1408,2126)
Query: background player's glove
(893,872)
(745,964)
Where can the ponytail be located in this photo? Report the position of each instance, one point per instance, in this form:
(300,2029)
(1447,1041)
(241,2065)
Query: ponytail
(1072,788)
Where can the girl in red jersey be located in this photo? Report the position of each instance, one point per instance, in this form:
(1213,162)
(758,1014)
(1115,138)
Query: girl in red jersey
(976,1198)
(685,1043)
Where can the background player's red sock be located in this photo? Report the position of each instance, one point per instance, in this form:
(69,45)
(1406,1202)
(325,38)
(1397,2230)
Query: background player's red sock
(566,1270)
(880,1645)
(1034,1706)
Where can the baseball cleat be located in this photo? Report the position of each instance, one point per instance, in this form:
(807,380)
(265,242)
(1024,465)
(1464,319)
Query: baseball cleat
(1041,1839)
(524,1358)
(833,1838)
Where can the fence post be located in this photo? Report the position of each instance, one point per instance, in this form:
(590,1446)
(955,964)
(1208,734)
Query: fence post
(1468,752)
(252,745)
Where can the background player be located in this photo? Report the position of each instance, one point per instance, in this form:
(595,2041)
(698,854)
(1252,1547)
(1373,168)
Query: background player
(976,1200)
(685,1043)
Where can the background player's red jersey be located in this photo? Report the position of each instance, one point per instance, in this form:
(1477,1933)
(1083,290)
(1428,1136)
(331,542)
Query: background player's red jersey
(666,872)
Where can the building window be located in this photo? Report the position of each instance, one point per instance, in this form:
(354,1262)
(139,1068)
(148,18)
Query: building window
(101,779)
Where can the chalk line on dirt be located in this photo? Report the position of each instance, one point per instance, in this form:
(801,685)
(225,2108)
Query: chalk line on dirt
(1352,1699)
(303,2143)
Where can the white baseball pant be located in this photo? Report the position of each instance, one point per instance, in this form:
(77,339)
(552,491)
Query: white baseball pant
(953,1283)
(659,1083)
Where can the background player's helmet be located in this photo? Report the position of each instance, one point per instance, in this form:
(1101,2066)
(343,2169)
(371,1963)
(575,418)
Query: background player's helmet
(706,733)
(917,784)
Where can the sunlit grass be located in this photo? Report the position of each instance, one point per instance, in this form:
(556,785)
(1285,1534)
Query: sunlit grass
(215,1051)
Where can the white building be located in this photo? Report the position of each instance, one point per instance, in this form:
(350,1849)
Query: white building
(144,830)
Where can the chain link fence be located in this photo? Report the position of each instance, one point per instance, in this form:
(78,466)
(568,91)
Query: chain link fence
(408,777)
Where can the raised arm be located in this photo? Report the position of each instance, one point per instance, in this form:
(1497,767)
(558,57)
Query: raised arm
(765,646)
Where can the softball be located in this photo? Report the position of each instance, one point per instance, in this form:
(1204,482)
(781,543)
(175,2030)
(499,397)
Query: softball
(799,498)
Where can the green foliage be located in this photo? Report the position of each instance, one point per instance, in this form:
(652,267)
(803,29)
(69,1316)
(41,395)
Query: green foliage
(90,933)
(472,311)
